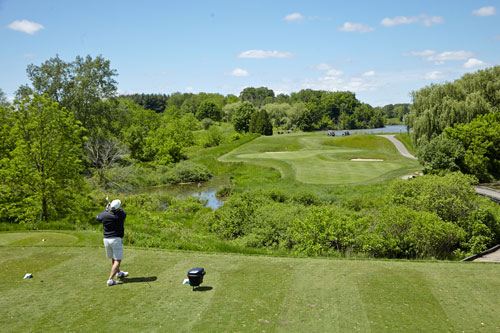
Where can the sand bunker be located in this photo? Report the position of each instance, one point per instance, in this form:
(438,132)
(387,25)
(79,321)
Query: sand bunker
(366,160)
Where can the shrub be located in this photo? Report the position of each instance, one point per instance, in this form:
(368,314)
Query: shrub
(213,137)
(306,199)
(206,123)
(400,232)
(187,172)
(326,229)
(224,192)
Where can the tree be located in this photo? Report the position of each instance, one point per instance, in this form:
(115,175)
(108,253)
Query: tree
(278,113)
(480,140)
(3,99)
(256,96)
(81,86)
(241,117)
(142,122)
(209,109)
(441,154)
(228,110)
(41,179)
(436,107)
(167,144)
(260,123)
(102,154)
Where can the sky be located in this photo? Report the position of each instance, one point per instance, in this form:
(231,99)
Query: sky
(381,50)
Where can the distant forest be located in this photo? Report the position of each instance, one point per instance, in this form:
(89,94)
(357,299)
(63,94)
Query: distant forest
(306,110)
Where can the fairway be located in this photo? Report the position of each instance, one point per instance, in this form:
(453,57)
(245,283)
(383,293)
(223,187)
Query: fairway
(316,159)
(239,294)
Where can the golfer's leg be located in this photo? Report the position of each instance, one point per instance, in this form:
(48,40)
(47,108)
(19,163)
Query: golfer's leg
(115,268)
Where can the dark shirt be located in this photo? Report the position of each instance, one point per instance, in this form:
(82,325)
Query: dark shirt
(112,222)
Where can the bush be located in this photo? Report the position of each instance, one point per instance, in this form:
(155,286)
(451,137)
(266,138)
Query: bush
(453,198)
(224,191)
(187,172)
(306,199)
(206,123)
(213,137)
(400,232)
(326,229)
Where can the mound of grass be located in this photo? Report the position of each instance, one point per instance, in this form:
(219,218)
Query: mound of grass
(314,159)
(241,293)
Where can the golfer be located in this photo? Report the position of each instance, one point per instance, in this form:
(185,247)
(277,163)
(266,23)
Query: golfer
(112,220)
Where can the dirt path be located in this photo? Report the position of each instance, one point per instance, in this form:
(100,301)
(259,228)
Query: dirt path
(399,145)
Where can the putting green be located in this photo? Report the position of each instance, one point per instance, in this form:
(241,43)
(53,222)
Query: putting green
(314,159)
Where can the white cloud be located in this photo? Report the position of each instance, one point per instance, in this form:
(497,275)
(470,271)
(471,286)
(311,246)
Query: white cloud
(451,55)
(293,17)
(434,75)
(426,20)
(334,72)
(355,27)
(485,11)
(440,58)
(369,73)
(474,63)
(262,54)
(238,72)
(189,89)
(424,53)
(497,37)
(429,21)
(323,67)
(25,26)
(388,22)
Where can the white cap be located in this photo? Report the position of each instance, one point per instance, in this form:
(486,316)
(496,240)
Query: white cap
(115,204)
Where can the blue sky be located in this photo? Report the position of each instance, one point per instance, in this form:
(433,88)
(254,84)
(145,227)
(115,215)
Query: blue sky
(381,50)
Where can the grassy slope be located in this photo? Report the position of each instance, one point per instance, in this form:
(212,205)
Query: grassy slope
(316,159)
(241,293)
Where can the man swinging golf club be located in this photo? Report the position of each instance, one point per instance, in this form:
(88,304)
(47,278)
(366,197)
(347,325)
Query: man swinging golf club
(112,220)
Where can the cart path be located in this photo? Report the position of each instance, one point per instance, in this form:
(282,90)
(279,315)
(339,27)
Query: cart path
(488,192)
(490,257)
(399,145)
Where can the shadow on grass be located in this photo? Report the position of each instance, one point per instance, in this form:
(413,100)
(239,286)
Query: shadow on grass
(205,288)
(139,279)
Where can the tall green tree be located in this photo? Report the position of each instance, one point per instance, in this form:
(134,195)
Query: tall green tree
(260,123)
(3,99)
(209,109)
(81,86)
(436,107)
(41,178)
(241,117)
(257,96)
(167,144)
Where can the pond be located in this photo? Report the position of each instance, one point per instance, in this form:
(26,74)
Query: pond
(205,191)
(382,130)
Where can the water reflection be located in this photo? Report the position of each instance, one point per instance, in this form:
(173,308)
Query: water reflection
(204,191)
(209,197)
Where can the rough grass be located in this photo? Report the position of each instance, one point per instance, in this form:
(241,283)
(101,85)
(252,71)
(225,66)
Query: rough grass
(313,158)
(239,294)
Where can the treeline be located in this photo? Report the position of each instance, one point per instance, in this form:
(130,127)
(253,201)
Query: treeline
(306,110)
(456,125)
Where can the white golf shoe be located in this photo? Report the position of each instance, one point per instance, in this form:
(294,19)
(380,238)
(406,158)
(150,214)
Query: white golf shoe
(112,283)
(121,274)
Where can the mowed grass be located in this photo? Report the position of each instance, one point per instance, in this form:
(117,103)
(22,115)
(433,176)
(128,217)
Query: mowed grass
(314,158)
(239,294)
